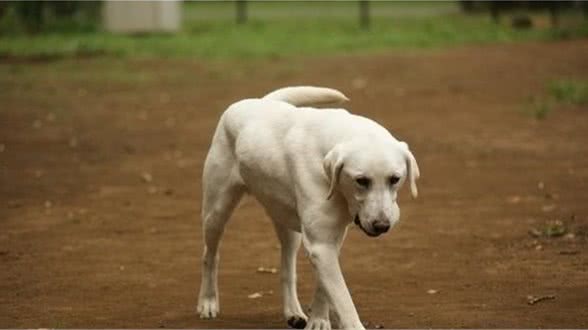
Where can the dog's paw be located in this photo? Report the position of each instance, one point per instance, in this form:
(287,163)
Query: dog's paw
(318,324)
(297,322)
(208,308)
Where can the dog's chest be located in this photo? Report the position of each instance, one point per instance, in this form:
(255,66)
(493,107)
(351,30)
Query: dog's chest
(274,189)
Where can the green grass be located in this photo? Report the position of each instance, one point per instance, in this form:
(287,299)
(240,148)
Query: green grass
(559,92)
(289,29)
(569,91)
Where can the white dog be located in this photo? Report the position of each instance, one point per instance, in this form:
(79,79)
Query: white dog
(314,171)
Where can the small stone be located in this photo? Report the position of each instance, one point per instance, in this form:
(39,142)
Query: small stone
(359,83)
(121,268)
(37,124)
(147,177)
(539,247)
(2,147)
(48,204)
(129,149)
(164,98)
(181,163)
(548,208)
(432,291)
(39,173)
(170,122)
(14,204)
(152,190)
(73,142)
(540,185)
(50,117)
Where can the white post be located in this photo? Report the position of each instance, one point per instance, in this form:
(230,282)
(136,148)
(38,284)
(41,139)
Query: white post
(142,16)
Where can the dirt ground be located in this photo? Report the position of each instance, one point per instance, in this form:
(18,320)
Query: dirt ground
(100,163)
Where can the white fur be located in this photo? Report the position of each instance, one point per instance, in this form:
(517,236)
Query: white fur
(302,164)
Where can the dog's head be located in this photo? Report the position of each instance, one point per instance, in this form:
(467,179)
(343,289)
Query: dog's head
(369,174)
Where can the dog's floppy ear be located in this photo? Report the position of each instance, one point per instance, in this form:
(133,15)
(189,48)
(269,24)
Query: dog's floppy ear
(412,168)
(333,164)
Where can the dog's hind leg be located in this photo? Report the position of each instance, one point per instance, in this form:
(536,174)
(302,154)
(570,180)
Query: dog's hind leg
(290,241)
(222,191)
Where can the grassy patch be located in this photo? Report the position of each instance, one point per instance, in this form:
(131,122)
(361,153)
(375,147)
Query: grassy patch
(569,91)
(541,108)
(289,28)
(559,92)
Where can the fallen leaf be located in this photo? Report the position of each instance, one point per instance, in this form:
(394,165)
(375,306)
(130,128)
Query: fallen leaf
(514,199)
(260,294)
(255,295)
(569,253)
(267,270)
(555,229)
(535,232)
(532,300)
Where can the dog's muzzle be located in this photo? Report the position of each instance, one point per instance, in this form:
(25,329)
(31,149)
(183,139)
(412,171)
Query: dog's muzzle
(379,227)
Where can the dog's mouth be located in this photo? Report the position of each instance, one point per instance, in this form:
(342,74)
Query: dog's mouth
(358,223)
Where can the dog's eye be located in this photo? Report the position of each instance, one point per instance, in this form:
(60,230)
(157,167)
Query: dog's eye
(363,182)
(394,180)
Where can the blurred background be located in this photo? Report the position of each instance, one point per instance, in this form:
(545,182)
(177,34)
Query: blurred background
(254,28)
(107,109)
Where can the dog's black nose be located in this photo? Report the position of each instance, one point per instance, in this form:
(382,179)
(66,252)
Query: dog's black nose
(381,226)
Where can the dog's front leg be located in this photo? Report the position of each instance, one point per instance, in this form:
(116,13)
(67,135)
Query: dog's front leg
(319,311)
(324,258)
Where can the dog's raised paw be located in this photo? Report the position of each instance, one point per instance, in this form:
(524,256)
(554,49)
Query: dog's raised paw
(297,322)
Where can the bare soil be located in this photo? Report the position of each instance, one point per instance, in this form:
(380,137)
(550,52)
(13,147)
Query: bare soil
(100,163)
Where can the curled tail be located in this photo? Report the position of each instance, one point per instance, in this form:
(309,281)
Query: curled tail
(306,95)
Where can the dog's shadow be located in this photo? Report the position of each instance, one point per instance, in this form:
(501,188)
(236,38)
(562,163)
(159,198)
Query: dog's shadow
(263,320)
